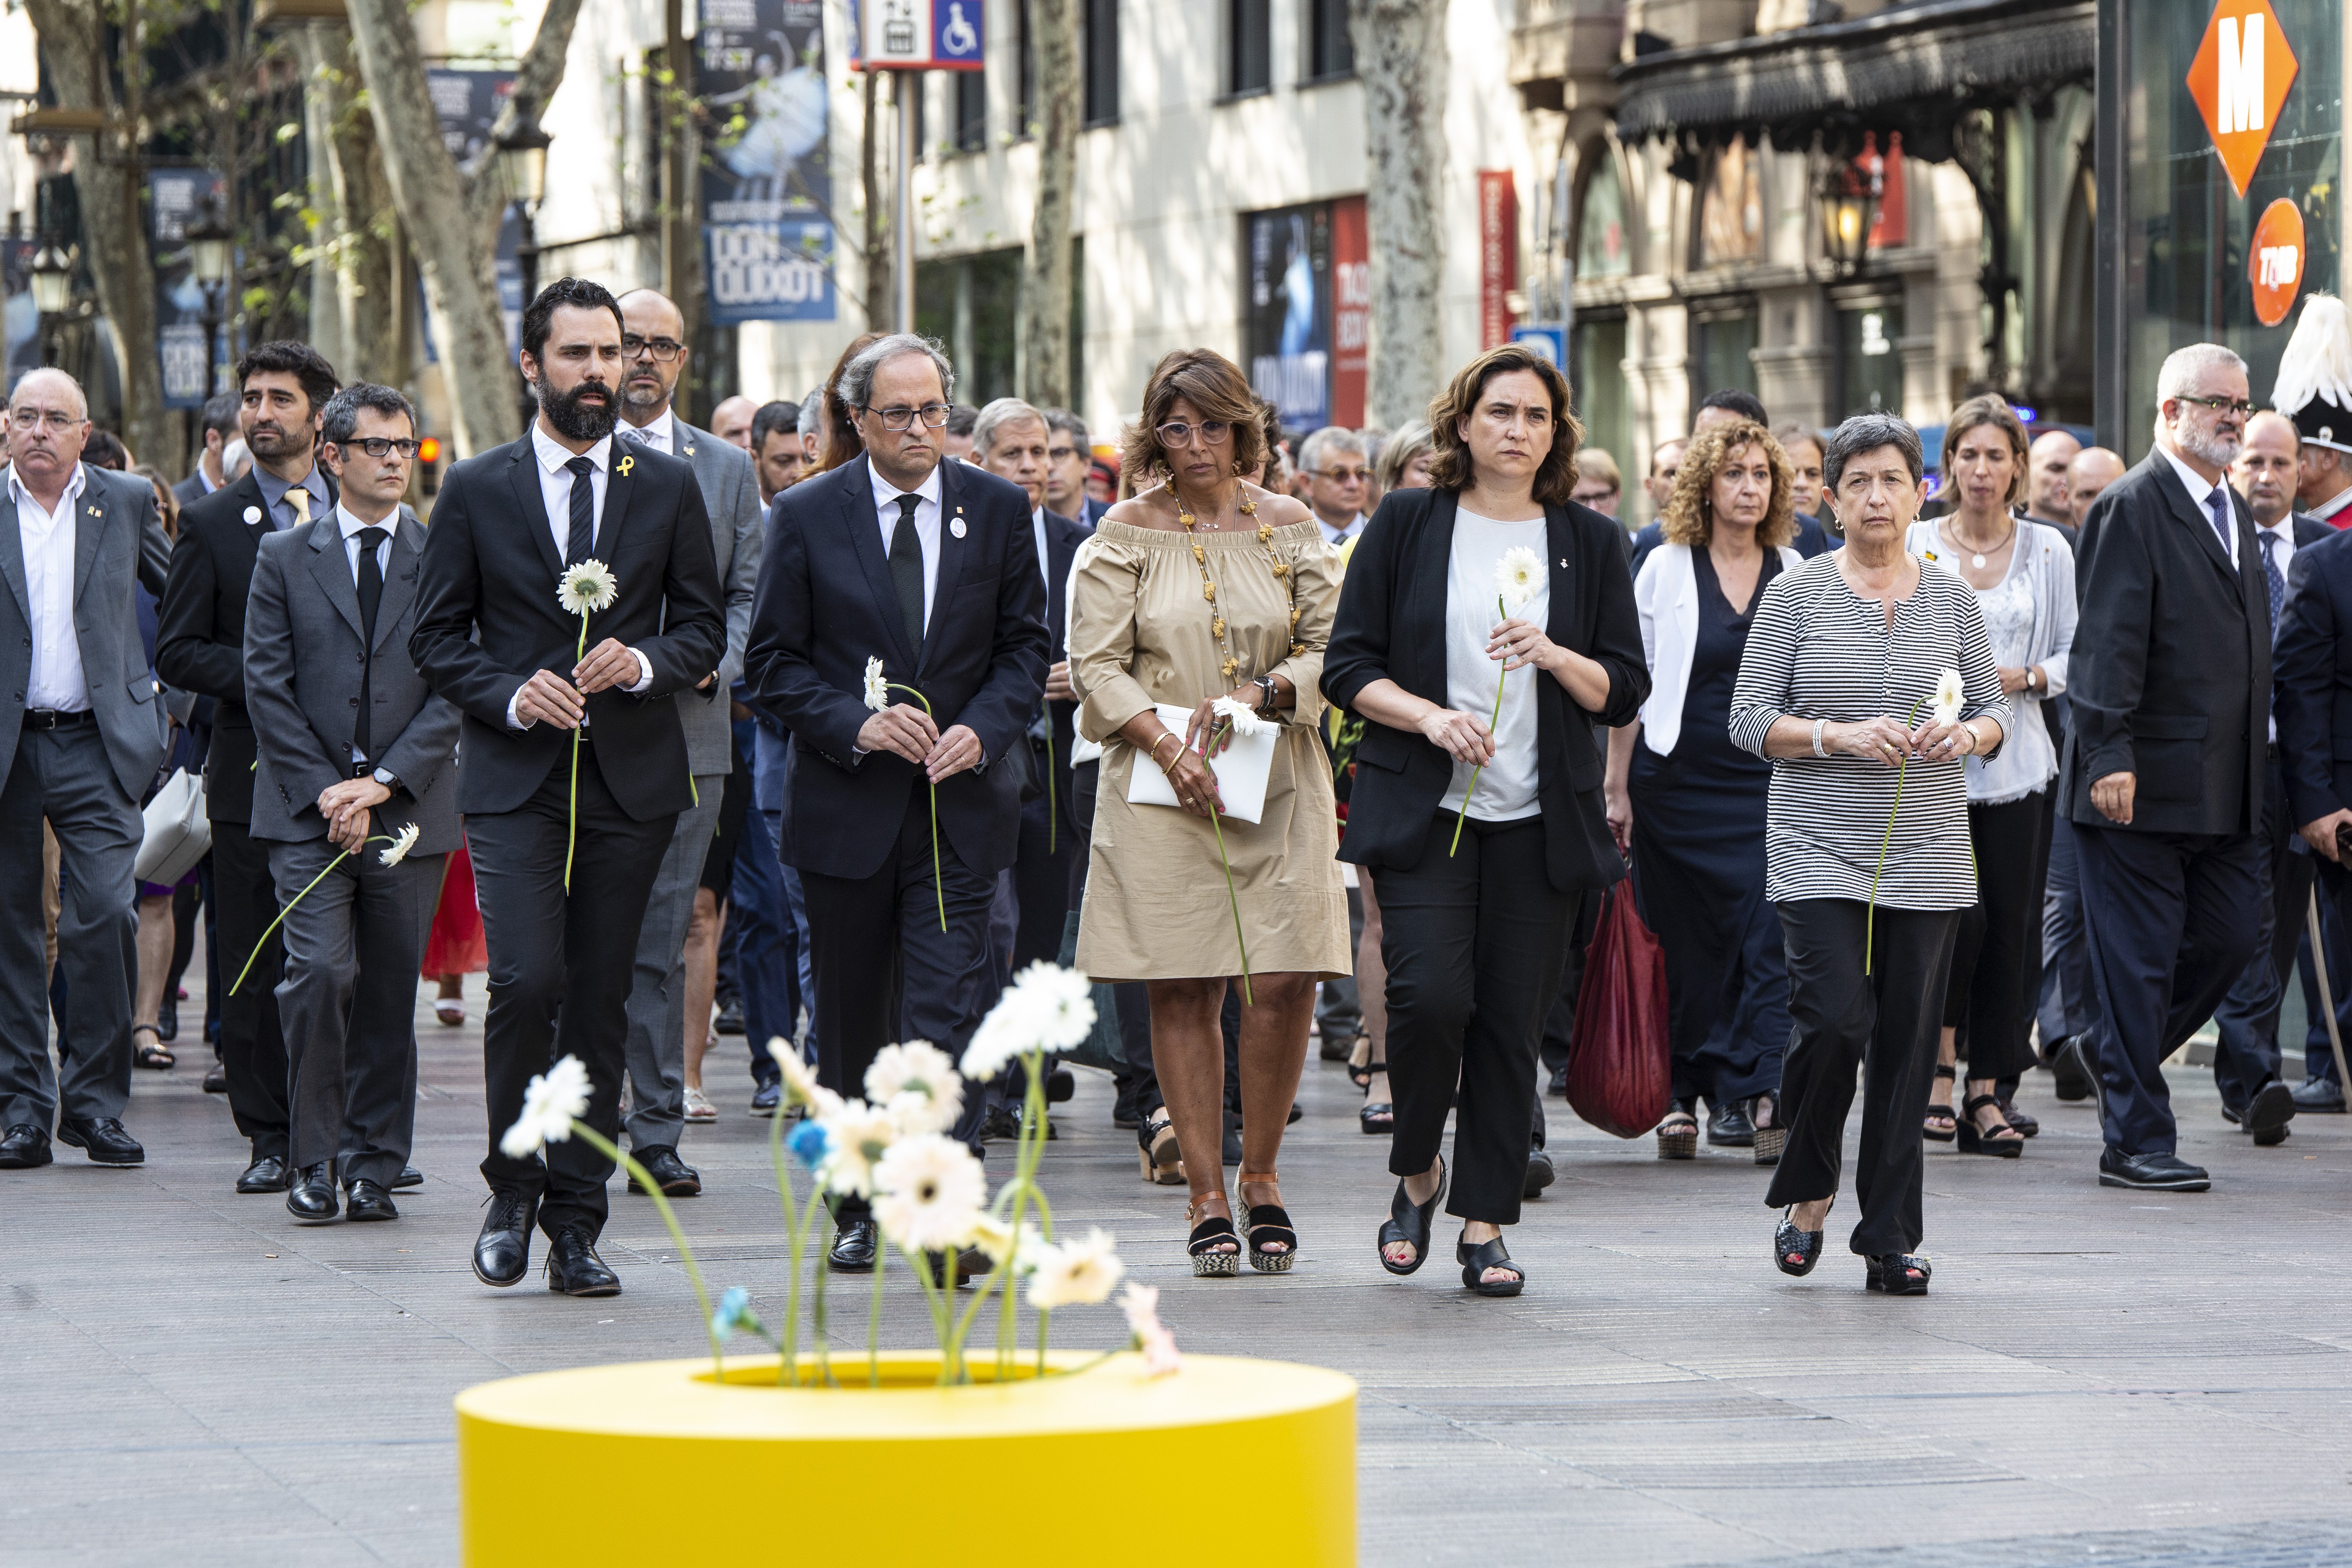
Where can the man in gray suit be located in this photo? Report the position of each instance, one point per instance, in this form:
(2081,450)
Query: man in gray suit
(652,358)
(81,732)
(354,749)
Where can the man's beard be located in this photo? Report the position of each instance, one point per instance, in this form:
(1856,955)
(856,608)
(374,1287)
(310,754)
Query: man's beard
(638,397)
(2208,446)
(574,420)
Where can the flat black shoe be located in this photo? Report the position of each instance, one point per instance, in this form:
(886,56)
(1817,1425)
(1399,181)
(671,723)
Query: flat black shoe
(854,1248)
(1539,1174)
(267,1173)
(367,1200)
(103,1139)
(502,1251)
(2269,1111)
(1897,1273)
(730,1020)
(676,1178)
(574,1270)
(1001,1125)
(2026,1125)
(1556,1084)
(1409,1222)
(167,1021)
(2071,1069)
(2323,1094)
(410,1176)
(1974,1140)
(23,1147)
(1061,1083)
(1796,1251)
(1727,1127)
(217,1080)
(311,1198)
(2152,1172)
(1476,1260)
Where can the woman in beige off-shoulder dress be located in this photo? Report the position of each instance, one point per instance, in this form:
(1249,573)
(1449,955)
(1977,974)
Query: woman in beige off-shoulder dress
(1205,586)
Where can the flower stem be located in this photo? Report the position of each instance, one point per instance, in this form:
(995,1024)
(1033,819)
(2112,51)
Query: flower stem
(938,881)
(817,1317)
(611,1152)
(1463,815)
(787,1366)
(874,1321)
(1869,916)
(571,817)
(281,915)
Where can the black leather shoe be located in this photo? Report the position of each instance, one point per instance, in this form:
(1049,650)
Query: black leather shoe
(2267,1115)
(853,1247)
(1001,1125)
(971,1264)
(311,1198)
(574,1270)
(1060,1084)
(103,1139)
(1539,1174)
(502,1251)
(730,1020)
(365,1200)
(766,1099)
(217,1080)
(2318,1094)
(676,1178)
(410,1176)
(23,1147)
(2070,1066)
(1727,1126)
(1556,1084)
(2154,1172)
(267,1173)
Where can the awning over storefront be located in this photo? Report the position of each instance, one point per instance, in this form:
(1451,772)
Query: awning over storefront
(1912,68)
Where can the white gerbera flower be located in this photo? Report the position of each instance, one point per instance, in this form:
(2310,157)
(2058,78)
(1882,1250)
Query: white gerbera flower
(857,1137)
(1077,1273)
(1948,697)
(402,843)
(929,1192)
(1062,999)
(1008,1033)
(1518,576)
(799,1079)
(1141,1302)
(1243,718)
(917,1082)
(555,1100)
(590,586)
(878,690)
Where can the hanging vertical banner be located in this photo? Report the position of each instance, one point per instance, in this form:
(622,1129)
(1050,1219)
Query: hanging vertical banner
(467,103)
(1498,254)
(767,181)
(1286,318)
(1351,310)
(175,200)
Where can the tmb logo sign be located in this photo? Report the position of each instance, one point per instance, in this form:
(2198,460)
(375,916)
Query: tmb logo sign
(2239,81)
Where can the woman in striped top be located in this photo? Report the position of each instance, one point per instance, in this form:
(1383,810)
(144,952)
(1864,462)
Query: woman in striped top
(1838,687)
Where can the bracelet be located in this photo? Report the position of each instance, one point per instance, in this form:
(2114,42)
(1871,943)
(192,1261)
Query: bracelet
(1154,753)
(1819,725)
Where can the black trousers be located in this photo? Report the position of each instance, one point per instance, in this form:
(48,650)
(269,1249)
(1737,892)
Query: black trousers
(1041,874)
(561,967)
(252,1048)
(1475,943)
(2173,917)
(2247,1055)
(885,970)
(1996,951)
(1883,1023)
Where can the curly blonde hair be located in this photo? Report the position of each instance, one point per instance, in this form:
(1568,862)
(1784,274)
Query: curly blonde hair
(1690,510)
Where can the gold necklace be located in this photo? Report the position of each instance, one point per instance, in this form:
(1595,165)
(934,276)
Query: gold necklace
(1218,630)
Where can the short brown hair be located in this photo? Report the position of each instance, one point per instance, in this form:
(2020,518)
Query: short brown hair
(1217,390)
(1690,510)
(1450,469)
(1994,410)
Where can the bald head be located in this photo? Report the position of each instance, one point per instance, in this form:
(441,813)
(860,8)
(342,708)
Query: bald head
(2093,470)
(2264,468)
(49,421)
(48,378)
(2047,463)
(731,420)
(653,354)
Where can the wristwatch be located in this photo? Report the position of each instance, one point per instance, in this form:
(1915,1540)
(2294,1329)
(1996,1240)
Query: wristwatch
(389,779)
(2033,677)
(1267,697)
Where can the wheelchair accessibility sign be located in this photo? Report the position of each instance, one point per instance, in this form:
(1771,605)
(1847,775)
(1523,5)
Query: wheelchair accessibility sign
(918,35)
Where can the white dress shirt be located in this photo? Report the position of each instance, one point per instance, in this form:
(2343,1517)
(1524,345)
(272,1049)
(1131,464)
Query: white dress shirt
(1037,527)
(351,526)
(1336,537)
(2201,492)
(660,433)
(55,681)
(927,525)
(555,495)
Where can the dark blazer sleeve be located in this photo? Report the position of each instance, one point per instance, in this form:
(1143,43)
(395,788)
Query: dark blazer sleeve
(2302,686)
(1358,653)
(693,638)
(186,654)
(299,759)
(2107,672)
(999,711)
(448,589)
(1616,630)
(778,668)
(154,544)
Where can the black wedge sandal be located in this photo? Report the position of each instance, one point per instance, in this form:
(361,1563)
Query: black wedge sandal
(1409,1222)
(1377,1118)
(1942,1112)
(1796,1251)
(1208,1262)
(1476,1260)
(1897,1273)
(1974,1140)
(1270,1222)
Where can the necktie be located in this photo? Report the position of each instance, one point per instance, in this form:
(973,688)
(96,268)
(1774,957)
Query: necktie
(2274,577)
(2219,500)
(371,584)
(906,570)
(299,499)
(583,513)
(632,434)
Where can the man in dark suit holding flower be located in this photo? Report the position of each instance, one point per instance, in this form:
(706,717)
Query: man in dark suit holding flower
(575,766)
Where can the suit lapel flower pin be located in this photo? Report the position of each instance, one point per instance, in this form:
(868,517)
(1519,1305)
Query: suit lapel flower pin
(878,698)
(583,589)
(1517,577)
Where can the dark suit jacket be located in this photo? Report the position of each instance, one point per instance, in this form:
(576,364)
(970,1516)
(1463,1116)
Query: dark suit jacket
(2170,678)
(826,605)
(2311,694)
(190,490)
(1391,624)
(490,567)
(200,630)
(1063,538)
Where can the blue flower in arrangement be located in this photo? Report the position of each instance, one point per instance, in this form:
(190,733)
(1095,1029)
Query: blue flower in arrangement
(734,1312)
(808,1144)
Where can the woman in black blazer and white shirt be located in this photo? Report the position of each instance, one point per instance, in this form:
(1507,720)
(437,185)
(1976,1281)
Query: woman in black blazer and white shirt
(1477,922)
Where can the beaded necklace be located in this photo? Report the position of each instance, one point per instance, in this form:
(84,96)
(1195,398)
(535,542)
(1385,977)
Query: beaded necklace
(1218,631)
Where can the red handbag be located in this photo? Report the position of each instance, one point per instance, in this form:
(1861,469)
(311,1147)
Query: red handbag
(1620,1066)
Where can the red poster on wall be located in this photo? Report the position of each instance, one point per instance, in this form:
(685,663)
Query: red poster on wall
(1498,254)
(1892,224)
(1351,310)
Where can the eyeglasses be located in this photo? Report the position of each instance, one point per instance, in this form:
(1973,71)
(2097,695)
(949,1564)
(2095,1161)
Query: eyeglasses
(1210,432)
(901,419)
(55,419)
(662,349)
(1343,476)
(381,446)
(2237,406)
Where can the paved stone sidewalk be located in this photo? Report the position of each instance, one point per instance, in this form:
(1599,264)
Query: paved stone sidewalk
(192,1379)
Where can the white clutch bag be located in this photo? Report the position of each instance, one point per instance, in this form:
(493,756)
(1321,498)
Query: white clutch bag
(177,831)
(1242,769)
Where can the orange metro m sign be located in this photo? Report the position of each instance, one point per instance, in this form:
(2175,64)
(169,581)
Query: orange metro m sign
(2239,79)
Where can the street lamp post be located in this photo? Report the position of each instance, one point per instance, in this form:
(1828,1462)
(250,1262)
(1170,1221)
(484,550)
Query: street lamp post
(522,162)
(52,289)
(210,247)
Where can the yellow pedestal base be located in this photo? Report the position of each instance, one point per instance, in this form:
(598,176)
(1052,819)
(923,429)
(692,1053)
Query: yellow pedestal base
(1232,1460)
